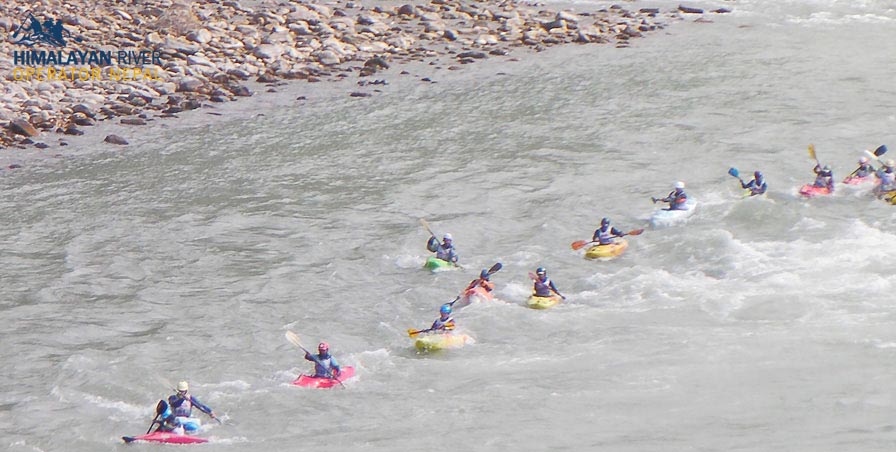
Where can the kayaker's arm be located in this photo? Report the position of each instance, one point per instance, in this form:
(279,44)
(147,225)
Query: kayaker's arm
(554,288)
(202,407)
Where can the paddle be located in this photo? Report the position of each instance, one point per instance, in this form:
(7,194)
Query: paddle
(535,278)
(733,171)
(412,332)
(812,154)
(294,338)
(881,150)
(433,234)
(579,244)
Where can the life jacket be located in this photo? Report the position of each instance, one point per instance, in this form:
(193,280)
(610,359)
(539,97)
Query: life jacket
(445,253)
(604,235)
(864,170)
(447,324)
(323,365)
(543,289)
(183,406)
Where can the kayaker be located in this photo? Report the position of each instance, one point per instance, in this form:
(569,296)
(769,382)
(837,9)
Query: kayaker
(544,287)
(865,169)
(167,421)
(445,250)
(182,403)
(677,198)
(757,186)
(887,176)
(481,281)
(445,322)
(325,366)
(824,178)
(604,234)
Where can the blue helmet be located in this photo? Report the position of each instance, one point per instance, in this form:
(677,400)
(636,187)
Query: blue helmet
(445,309)
(758,174)
(541,271)
(605,221)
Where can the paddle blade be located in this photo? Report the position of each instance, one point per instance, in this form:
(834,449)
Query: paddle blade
(532,276)
(495,268)
(294,338)
(871,155)
(880,150)
(128,439)
(733,171)
(577,245)
(635,232)
(412,332)
(426,226)
(812,152)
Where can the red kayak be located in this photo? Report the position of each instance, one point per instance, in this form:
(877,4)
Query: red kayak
(809,191)
(324,382)
(855,180)
(165,437)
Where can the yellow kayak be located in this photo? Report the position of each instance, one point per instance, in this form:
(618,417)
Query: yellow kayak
(542,302)
(440,341)
(604,251)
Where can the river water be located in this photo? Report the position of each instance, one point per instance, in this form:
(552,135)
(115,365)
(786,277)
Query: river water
(761,324)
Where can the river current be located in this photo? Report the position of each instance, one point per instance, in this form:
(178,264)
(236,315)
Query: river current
(760,324)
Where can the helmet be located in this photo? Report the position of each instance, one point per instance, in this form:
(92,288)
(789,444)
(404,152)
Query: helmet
(863,160)
(323,347)
(605,221)
(183,387)
(826,168)
(445,309)
(758,174)
(447,237)
(679,185)
(890,163)
(483,274)
(541,271)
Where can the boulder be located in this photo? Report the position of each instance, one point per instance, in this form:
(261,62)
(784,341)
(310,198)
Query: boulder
(22,127)
(115,139)
(689,10)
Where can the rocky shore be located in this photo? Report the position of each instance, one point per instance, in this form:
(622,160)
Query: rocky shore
(208,52)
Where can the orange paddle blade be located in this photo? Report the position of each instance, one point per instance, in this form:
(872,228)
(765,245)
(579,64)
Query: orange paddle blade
(635,232)
(579,244)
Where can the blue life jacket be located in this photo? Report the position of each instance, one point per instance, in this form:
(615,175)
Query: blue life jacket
(543,288)
(324,365)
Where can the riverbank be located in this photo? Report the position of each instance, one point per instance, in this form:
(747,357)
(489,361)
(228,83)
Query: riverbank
(166,58)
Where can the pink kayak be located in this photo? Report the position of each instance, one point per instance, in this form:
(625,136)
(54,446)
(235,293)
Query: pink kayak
(165,437)
(855,180)
(809,191)
(324,382)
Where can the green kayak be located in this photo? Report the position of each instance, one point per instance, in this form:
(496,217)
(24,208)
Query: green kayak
(433,263)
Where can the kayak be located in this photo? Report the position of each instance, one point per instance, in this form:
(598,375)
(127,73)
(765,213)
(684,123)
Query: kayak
(477,293)
(607,251)
(663,217)
(810,190)
(889,196)
(542,302)
(165,437)
(855,180)
(440,341)
(433,263)
(308,381)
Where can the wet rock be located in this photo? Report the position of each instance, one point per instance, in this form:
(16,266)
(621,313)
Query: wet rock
(689,10)
(41,145)
(450,35)
(359,94)
(721,11)
(115,139)
(22,127)
(133,121)
(472,54)
(407,10)
(72,130)
(377,63)
(240,91)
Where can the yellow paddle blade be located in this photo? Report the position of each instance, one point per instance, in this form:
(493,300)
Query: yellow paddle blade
(812,152)
(294,338)
(412,332)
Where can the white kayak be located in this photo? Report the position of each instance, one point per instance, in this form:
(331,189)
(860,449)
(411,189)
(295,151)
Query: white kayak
(664,217)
